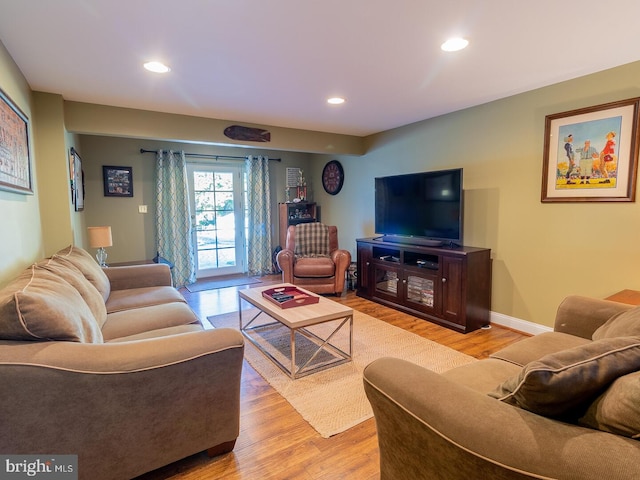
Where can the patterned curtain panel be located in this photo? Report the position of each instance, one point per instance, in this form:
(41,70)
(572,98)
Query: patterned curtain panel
(173,216)
(259,211)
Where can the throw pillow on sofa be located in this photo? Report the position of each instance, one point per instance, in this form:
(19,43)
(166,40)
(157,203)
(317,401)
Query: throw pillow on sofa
(623,324)
(88,266)
(617,410)
(39,305)
(562,383)
(71,274)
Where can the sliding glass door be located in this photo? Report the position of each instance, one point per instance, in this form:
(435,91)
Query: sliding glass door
(218,219)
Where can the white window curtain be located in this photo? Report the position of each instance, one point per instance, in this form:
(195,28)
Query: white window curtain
(259,212)
(173,216)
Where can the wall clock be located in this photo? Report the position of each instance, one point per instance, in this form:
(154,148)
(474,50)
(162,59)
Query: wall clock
(332,177)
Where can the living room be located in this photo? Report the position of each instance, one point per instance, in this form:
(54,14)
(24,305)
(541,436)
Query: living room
(541,252)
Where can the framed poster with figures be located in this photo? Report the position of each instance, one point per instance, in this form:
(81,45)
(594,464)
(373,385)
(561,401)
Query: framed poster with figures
(591,154)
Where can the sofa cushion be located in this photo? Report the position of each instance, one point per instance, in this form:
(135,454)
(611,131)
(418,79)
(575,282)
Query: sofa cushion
(561,383)
(77,280)
(39,305)
(140,320)
(159,333)
(623,324)
(121,300)
(312,240)
(482,376)
(88,266)
(533,348)
(617,410)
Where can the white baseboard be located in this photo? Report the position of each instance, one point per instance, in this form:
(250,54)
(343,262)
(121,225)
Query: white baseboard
(518,324)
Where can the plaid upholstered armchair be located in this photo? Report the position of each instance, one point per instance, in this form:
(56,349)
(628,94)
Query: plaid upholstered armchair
(311,258)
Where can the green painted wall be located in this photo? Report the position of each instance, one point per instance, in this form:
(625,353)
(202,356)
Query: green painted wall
(541,252)
(53,168)
(90,119)
(134,233)
(21,238)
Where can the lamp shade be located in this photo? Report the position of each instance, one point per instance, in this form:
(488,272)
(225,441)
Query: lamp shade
(100,237)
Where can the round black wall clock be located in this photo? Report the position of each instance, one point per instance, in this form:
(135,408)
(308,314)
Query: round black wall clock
(332,177)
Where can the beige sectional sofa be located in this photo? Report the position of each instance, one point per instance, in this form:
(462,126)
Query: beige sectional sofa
(112,365)
(563,405)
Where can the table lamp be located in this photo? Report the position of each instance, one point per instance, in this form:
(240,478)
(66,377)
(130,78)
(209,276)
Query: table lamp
(100,237)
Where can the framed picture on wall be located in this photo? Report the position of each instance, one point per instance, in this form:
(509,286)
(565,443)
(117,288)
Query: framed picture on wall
(591,154)
(76,174)
(15,160)
(118,181)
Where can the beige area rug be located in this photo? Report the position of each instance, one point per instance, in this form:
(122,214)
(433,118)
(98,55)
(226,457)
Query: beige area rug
(333,400)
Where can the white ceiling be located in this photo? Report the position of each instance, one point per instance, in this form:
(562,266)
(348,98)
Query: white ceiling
(275,62)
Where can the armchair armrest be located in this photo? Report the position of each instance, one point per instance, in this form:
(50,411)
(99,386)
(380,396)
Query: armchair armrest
(342,260)
(581,316)
(146,403)
(285,259)
(139,276)
(431,427)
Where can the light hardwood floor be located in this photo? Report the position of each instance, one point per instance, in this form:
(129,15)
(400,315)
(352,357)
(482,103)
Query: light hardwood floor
(275,442)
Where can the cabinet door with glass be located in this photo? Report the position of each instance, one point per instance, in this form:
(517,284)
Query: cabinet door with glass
(386,281)
(422,291)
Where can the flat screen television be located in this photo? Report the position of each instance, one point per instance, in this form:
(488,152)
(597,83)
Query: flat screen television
(423,208)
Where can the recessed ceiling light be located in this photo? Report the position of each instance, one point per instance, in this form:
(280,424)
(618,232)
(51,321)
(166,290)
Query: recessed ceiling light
(336,100)
(454,44)
(156,67)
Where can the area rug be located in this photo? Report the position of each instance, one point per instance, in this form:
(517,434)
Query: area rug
(333,400)
(221,282)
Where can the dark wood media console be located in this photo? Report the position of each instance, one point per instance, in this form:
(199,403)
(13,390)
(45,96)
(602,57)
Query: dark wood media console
(450,286)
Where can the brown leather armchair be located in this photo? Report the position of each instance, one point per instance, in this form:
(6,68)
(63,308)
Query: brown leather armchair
(319,272)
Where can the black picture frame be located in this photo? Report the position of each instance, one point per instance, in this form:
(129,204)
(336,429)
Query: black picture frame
(76,175)
(118,181)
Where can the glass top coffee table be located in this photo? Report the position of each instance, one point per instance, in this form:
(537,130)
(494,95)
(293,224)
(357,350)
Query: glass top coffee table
(300,340)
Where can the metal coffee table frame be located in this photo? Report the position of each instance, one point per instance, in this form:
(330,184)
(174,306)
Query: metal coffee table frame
(323,344)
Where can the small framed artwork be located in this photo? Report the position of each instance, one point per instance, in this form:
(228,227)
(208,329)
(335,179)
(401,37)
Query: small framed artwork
(118,181)
(293,177)
(591,154)
(76,174)
(15,159)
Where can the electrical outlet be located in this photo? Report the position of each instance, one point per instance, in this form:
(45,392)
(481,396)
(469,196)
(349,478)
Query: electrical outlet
(142,209)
